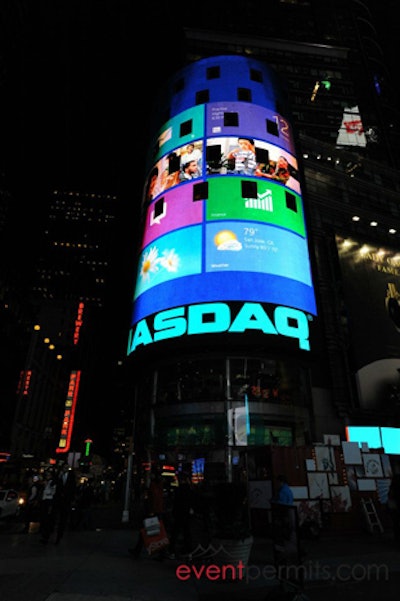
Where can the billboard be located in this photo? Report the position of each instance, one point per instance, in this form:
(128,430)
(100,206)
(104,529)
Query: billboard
(371,287)
(224,244)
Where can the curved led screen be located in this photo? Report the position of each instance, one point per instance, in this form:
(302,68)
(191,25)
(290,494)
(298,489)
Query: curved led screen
(224,245)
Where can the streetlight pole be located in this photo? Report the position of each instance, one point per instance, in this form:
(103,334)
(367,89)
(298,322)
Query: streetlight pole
(128,485)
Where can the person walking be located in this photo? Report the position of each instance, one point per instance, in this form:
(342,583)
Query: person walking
(64,497)
(286,543)
(154,506)
(85,500)
(284,495)
(182,510)
(47,506)
(33,502)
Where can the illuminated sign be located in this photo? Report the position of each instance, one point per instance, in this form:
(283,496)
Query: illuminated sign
(78,323)
(4,456)
(375,437)
(371,284)
(24,382)
(69,412)
(216,318)
(351,132)
(222,212)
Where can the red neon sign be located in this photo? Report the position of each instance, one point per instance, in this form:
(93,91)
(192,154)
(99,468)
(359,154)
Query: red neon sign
(69,412)
(78,322)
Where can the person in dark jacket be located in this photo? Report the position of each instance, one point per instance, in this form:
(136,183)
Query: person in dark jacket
(153,506)
(64,497)
(47,506)
(33,502)
(182,510)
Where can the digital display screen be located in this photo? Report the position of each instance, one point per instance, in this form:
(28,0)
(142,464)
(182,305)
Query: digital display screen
(222,157)
(369,434)
(222,212)
(229,156)
(376,437)
(391,440)
(188,243)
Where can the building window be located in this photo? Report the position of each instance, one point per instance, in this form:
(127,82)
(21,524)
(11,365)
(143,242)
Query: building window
(231,119)
(158,208)
(200,191)
(249,189)
(186,128)
(262,155)
(291,201)
(213,72)
(272,127)
(188,382)
(244,94)
(202,96)
(256,75)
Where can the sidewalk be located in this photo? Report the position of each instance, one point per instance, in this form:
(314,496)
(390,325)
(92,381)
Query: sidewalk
(96,566)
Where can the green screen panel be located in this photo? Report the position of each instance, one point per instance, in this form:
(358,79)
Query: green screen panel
(274,203)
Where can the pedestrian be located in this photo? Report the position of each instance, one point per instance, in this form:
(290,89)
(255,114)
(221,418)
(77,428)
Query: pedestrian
(182,510)
(65,495)
(284,494)
(153,506)
(85,499)
(284,526)
(47,511)
(33,502)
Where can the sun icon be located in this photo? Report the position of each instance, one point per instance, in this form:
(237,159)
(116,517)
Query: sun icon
(227,240)
(224,236)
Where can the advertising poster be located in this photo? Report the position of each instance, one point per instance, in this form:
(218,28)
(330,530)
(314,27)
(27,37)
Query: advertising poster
(371,287)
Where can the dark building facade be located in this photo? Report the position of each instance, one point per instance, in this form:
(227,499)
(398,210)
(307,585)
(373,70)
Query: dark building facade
(61,379)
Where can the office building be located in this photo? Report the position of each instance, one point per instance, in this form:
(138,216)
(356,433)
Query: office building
(56,399)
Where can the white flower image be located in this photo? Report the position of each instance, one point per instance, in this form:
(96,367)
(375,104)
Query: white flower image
(170,260)
(149,263)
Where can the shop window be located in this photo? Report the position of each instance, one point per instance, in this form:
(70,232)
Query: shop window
(262,380)
(188,382)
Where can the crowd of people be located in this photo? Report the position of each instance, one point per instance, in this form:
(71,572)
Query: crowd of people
(52,498)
